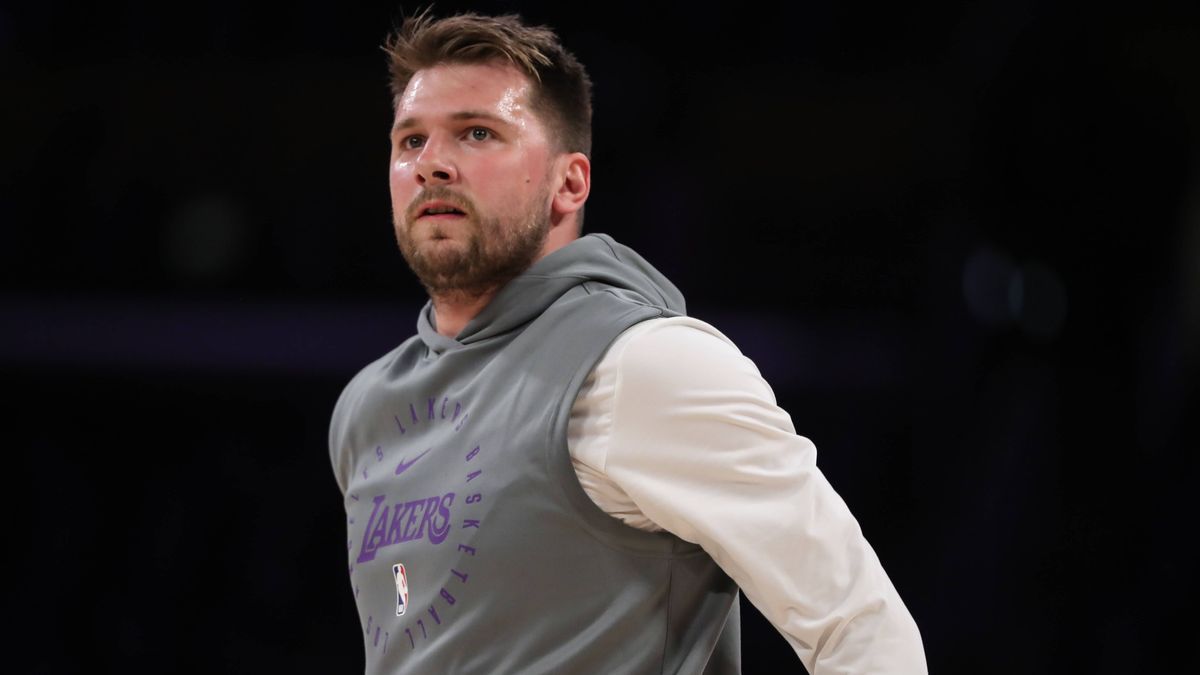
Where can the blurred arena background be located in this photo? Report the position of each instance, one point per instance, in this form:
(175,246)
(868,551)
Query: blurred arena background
(961,241)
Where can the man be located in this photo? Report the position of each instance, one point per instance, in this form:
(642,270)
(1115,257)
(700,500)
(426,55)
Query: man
(561,473)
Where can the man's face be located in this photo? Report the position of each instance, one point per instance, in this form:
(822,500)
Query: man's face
(469,177)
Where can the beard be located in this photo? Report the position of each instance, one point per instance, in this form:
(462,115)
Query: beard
(493,252)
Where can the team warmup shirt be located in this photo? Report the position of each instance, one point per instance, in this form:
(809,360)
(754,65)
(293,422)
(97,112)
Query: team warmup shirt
(580,480)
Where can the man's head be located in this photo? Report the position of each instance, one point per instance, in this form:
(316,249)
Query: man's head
(489,167)
(562,91)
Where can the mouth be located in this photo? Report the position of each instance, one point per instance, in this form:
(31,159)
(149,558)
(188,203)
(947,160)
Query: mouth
(440,211)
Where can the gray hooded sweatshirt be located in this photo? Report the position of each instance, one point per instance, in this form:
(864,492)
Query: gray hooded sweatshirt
(472,546)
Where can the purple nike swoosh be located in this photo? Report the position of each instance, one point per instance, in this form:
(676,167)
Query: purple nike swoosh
(403,465)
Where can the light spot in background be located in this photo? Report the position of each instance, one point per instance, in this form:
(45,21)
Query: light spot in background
(998,293)
(987,286)
(206,238)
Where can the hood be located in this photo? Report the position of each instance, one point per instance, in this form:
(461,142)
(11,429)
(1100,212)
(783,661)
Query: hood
(592,258)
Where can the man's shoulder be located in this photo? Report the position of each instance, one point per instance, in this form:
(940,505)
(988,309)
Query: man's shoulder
(660,356)
(669,333)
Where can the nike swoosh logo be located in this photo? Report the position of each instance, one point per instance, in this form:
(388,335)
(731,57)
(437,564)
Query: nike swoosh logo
(403,465)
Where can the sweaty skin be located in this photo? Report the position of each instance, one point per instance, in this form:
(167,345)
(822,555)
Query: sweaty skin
(466,139)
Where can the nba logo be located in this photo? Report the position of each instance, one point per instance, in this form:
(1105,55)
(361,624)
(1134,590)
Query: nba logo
(401,588)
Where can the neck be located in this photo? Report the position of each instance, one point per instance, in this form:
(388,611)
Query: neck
(453,310)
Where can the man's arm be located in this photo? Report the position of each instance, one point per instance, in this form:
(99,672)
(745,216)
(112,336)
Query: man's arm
(677,430)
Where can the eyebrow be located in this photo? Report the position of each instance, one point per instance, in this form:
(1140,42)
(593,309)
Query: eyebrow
(409,122)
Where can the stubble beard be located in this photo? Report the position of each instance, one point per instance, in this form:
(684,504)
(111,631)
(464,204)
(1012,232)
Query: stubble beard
(494,253)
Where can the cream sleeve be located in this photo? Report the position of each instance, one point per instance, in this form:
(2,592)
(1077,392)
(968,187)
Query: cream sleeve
(676,430)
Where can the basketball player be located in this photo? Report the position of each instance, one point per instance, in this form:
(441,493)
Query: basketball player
(561,472)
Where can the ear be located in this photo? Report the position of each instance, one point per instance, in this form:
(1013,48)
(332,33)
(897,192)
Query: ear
(574,172)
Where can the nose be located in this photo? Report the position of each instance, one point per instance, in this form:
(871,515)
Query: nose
(434,165)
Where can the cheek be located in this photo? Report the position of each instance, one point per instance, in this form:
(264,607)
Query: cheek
(398,169)
(517,182)
(400,179)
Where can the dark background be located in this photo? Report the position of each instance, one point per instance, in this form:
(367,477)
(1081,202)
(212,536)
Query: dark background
(960,241)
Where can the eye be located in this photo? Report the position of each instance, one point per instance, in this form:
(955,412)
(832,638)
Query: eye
(479,134)
(412,142)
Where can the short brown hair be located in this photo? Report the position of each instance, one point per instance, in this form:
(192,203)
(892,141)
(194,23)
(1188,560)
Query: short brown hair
(562,91)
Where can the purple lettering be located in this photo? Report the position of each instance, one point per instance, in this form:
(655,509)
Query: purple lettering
(430,410)
(410,638)
(433,612)
(444,402)
(447,597)
(409,520)
(421,623)
(414,509)
(431,506)
(374,532)
(473,475)
(396,531)
(457,408)
(369,620)
(413,411)
(385,639)
(460,575)
(397,418)
(475,498)
(469,550)
(378,533)
(462,422)
(471,454)
(470,523)
(439,527)
(379,453)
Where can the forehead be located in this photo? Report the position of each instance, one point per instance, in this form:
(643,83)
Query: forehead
(444,90)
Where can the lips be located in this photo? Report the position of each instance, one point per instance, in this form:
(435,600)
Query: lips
(439,203)
(440,210)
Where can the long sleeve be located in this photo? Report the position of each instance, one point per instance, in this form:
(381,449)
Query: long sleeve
(675,429)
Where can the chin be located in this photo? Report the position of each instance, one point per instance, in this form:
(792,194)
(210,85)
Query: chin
(444,253)
(443,246)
